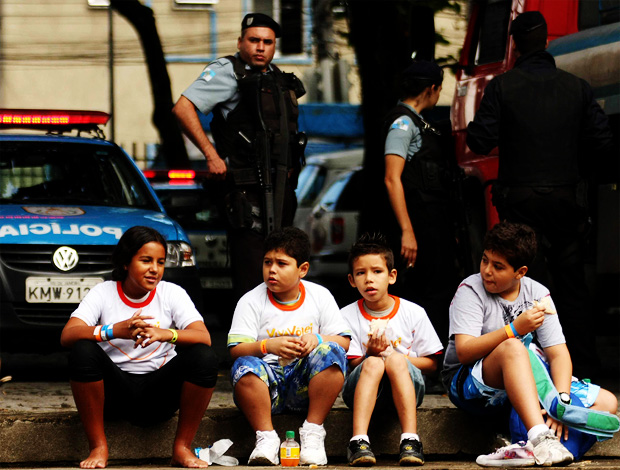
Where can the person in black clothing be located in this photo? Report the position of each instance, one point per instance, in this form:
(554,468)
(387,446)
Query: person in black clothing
(418,182)
(546,123)
(254,127)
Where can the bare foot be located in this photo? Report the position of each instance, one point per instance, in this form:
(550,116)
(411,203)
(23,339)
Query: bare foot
(98,458)
(184,457)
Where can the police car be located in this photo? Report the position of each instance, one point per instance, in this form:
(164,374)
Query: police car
(65,201)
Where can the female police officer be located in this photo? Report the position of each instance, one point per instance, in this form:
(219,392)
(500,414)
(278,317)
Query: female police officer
(418,181)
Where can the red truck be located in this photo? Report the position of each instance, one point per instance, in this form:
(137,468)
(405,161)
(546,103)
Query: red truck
(584,38)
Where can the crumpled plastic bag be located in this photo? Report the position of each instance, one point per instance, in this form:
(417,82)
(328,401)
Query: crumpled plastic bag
(214,454)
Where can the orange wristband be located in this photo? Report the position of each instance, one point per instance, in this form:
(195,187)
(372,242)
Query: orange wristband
(97,334)
(509,331)
(263,347)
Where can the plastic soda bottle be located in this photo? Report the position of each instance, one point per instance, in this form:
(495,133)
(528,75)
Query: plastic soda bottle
(289,451)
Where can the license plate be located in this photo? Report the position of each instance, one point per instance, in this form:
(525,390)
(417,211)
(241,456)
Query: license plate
(216,282)
(59,289)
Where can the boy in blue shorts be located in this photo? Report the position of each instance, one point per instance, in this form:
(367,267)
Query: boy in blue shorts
(487,366)
(289,343)
(393,343)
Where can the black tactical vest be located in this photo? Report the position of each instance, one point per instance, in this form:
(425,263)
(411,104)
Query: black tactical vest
(540,128)
(259,112)
(428,171)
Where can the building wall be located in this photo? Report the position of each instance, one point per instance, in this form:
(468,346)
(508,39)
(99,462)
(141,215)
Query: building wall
(55,55)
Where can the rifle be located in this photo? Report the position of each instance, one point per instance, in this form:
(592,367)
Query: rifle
(263,169)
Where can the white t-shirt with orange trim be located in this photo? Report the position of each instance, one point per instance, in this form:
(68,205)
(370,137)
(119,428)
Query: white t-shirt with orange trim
(409,329)
(168,303)
(259,316)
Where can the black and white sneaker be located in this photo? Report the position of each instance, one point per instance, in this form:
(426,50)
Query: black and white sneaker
(411,452)
(359,454)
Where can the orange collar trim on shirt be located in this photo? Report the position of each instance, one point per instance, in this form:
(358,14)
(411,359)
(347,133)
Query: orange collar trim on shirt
(129,303)
(360,305)
(288,307)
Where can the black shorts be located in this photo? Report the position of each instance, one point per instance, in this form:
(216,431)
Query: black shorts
(143,399)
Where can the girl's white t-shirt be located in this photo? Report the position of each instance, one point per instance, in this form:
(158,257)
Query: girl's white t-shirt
(168,304)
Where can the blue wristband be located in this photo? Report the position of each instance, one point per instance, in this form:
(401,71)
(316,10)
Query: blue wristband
(318,336)
(109,332)
(514,330)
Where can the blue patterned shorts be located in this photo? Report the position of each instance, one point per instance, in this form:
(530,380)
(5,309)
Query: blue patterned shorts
(288,386)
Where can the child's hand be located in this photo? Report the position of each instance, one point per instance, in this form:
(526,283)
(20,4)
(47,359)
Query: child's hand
(309,342)
(147,336)
(135,323)
(529,320)
(557,427)
(288,347)
(377,344)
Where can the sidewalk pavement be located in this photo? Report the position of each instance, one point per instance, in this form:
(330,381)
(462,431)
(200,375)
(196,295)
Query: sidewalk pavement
(40,426)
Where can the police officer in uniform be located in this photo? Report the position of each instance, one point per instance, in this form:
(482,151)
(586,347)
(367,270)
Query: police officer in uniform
(546,122)
(418,181)
(258,151)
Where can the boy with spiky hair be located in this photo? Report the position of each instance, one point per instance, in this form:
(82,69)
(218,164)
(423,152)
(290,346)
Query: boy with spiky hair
(392,344)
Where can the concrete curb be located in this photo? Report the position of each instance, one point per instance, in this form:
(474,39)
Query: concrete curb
(57,437)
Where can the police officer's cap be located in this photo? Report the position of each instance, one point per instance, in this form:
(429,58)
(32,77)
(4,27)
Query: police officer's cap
(424,70)
(253,20)
(527,22)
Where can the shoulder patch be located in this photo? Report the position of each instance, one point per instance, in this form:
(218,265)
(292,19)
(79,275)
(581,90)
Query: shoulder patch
(401,123)
(207,74)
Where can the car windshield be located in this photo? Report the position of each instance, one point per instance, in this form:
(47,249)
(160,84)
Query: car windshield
(70,173)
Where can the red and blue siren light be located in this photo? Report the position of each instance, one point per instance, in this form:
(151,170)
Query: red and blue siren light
(48,117)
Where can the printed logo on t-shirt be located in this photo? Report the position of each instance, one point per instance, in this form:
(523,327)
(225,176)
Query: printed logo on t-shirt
(292,331)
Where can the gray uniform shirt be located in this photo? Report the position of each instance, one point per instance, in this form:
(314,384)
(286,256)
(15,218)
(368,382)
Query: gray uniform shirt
(216,86)
(403,137)
(475,312)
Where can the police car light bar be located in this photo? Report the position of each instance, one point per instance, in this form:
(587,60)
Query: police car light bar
(51,118)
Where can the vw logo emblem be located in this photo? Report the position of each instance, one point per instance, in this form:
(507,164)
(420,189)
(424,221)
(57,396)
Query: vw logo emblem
(65,258)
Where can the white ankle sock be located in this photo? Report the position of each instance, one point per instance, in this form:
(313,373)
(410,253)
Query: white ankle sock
(308,425)
(409,435)
(273,434)
(357,437)
(536,431)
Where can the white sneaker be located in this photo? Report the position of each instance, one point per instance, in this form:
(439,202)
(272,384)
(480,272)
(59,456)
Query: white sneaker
(549,451)
(266,450)
(312,445)
(520,454)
